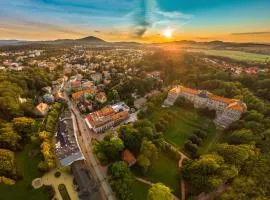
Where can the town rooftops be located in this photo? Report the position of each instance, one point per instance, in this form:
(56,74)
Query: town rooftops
(128,157)
(66,146)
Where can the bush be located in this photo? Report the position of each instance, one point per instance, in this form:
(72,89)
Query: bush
(190,147)
(57,174)
(63,191)
(195,139)
(200,134)
(49,189)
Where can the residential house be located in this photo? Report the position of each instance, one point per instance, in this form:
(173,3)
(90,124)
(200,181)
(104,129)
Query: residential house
(48,98)
(101,97)
(128,157)
(41,109)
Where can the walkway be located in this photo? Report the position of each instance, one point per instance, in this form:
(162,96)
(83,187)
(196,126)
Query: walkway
(67,179)
(182,183)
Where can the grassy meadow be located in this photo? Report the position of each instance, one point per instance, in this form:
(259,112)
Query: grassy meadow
(235,55)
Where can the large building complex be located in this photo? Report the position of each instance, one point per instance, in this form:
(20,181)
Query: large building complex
(107,117)
(66,147)
(227,110)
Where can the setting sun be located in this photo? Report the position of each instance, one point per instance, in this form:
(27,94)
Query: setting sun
(168,33)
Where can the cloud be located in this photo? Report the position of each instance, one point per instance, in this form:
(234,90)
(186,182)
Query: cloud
(252,33)
(148,15)
(97,31)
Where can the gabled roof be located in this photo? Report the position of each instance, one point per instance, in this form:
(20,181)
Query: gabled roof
(41,107)
(127,156)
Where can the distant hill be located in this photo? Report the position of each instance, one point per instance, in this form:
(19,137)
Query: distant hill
(88,40)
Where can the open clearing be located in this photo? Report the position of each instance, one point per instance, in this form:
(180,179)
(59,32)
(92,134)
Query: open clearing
(23,189)
(164,170)
(139,190)
(235,55)
(183,126)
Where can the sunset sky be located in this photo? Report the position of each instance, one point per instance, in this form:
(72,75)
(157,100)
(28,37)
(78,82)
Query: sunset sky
(136,20)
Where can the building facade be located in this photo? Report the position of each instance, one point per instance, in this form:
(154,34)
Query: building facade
(227,110)
(107,117)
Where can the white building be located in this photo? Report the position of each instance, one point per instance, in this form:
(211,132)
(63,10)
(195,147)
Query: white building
(227,110)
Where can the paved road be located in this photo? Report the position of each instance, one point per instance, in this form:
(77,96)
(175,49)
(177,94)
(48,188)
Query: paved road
(84,139)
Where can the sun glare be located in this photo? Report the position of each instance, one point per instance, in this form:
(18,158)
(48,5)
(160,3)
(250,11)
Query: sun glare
(168,33)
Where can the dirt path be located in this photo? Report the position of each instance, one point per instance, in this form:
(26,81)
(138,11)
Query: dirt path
(182,182)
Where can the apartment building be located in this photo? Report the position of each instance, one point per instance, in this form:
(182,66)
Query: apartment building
(107,117)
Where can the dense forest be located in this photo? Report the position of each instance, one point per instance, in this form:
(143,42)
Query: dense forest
(19,91)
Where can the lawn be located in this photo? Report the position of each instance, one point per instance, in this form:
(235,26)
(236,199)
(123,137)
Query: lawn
(185,123)
(23,189)
(235,55)
(164,170)
(140,190)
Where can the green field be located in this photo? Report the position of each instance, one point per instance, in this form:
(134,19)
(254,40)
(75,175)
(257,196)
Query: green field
(139,190)
(23,189)
(183,126)
(164,170)
(235,55)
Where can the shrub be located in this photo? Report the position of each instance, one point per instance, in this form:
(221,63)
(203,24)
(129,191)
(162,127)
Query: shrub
(190,147)
(200,134)
(195,139)
(49,189)
(63,191)
(57,174)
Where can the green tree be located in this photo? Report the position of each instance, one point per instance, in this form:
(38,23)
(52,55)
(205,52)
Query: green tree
(148,154)
(113,95)
(9,138)
(121,180)
(159,191)
(24,125)
(242,136)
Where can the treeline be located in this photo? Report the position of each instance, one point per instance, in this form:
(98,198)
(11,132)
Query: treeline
(18,92)
(22,84)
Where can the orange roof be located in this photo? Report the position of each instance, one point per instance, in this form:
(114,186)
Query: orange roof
(127,156)
(41,107)
(174,90)
(189,90)
(221,99)
(105,111)
(77,95)
(89,90)
(100,95)
(237,106)
(119,115)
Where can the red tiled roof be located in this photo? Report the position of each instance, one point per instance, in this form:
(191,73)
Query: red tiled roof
(127,156)
(189,90)
(221,99)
